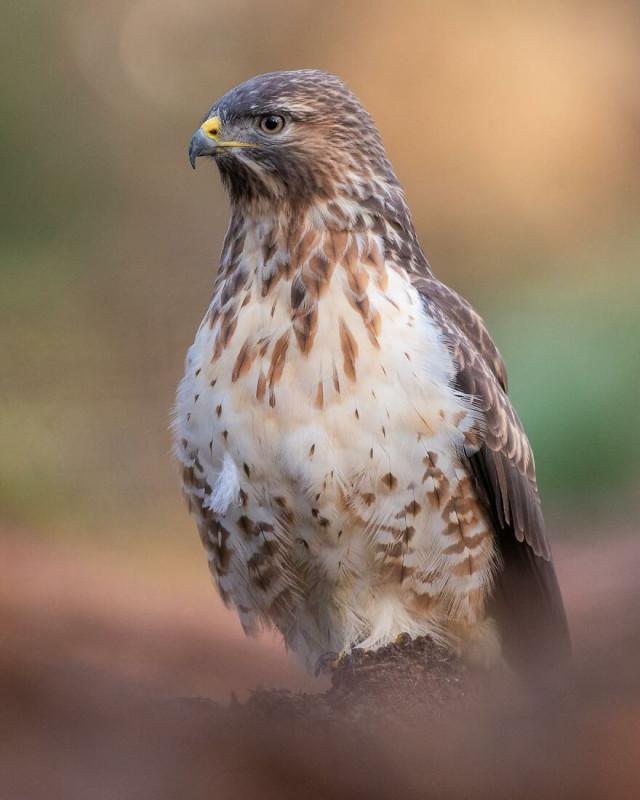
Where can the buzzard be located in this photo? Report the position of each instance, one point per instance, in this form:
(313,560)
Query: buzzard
(349,452)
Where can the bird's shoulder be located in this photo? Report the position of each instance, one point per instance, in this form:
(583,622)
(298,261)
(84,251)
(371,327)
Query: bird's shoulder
(501,459)
(465,326)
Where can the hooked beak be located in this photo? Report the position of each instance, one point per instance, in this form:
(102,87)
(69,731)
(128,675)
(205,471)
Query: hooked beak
(201,145)
(206,141)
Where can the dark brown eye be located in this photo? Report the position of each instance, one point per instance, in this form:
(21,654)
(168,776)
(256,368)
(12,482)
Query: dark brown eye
(272,123)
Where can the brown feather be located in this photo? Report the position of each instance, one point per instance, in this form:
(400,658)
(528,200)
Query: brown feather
(526,599)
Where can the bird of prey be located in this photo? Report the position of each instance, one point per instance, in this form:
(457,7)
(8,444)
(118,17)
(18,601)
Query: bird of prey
(349,452)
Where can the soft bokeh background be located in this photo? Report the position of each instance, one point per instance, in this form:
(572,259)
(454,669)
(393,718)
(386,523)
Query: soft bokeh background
(515,129)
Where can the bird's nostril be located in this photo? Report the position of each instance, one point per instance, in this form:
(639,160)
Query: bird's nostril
(211,128)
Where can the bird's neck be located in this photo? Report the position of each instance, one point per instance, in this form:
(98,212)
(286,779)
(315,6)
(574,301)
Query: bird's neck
(371,223)
(298,264)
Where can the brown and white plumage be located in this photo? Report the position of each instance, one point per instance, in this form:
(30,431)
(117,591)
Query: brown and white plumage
(349,450)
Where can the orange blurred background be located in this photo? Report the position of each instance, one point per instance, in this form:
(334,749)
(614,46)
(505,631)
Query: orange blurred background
(515,129)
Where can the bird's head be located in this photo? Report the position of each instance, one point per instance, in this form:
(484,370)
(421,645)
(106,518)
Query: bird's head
(292,138)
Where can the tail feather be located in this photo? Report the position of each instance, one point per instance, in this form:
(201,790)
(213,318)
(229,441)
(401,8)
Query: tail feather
(527,606)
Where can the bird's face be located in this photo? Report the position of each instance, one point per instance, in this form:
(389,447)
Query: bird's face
(294,137)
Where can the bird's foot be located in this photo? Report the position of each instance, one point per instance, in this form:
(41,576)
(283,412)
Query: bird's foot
(327,661)
(346,659)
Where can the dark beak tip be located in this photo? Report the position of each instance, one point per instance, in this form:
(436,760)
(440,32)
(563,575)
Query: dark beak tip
(193,155)
(200,145)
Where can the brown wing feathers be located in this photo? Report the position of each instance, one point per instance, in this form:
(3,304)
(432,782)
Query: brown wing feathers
(526,601)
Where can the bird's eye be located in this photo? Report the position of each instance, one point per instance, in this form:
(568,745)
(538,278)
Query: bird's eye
(272,123)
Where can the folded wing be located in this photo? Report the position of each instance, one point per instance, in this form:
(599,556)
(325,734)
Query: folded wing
(526,600)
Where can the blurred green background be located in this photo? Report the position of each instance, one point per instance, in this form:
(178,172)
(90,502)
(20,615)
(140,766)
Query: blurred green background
(514,127)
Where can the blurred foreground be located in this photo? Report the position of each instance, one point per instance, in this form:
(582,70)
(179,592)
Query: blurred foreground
(99,656)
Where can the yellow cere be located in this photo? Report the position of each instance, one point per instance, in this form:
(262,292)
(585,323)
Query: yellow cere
(212,129)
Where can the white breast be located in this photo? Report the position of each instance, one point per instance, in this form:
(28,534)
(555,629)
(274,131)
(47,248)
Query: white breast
(324,484)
